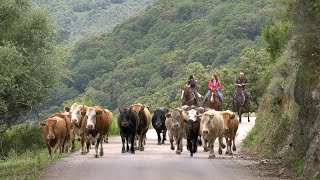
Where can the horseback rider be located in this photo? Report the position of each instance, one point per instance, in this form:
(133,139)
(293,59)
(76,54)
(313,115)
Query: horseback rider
(192,82)
(213,83)
(241,84)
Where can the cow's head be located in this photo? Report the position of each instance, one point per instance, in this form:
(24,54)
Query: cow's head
(192,118)
(76,112)
(159,115)
(176,116)
(126,117)
(206,122)
(49,125)
(91,115)
(227,117)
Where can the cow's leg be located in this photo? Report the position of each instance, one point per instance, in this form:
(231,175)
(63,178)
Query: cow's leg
(143,139)
(49,149)
(128,139)
(221,142)
(195,144)
(159,137)
(189,146)
(164,134)
(106,139)
(204,144)
(221,145)
(199,141)
(72,139)
(100,140)
(132,143)
(171,140)
(211,147)
(123,150)
(96,147)
(179,144)
(234,148)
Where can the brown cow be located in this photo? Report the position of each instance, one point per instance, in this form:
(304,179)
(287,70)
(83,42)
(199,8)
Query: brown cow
(98,126)
(54,133)
(231,124)
(69,145)
(106,138)
(143,126)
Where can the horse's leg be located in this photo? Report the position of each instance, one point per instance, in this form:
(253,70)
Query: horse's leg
(239,114)
(248,116)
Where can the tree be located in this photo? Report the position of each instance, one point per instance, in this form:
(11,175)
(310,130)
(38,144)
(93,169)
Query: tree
(31,64)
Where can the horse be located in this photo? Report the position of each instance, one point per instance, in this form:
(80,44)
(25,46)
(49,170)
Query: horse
(240,103)
(214,101)
(188,97)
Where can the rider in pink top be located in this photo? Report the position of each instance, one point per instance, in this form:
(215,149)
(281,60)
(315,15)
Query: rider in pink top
(214,83)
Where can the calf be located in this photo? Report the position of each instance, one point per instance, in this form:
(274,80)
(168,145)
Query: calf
(193,128)
(128,121)
(231,124)
(143,126)
(175,123)
(54,133)
(98,126)
(158,123)
(211,127)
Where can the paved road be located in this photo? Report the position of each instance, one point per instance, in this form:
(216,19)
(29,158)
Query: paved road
(157,162)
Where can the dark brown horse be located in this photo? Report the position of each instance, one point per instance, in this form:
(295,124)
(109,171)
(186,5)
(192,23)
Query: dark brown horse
(188,97)
(214,101)
(241,103)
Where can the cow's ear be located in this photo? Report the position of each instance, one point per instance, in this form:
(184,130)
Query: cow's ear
(98,112)
(67,109)
(168,115)
(211,116)
(42,123)
(83,113)
(233,115)
(142,107)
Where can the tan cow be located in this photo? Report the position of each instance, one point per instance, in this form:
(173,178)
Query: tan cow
(106,138)
(175,123)
(69,144)
(145,120)
(98,126)
(211,128)
(55,132)
(231,124)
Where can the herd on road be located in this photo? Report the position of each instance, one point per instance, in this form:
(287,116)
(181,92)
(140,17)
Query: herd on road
(198,125)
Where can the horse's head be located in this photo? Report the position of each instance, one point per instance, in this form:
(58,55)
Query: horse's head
(239,98)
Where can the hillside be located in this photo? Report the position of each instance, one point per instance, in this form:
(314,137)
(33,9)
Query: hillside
(149,57)
(76,19)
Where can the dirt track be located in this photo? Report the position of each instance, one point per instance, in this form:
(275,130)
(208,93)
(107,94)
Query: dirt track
(157,162)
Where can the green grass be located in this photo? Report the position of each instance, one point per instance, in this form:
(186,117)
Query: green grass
(28,165)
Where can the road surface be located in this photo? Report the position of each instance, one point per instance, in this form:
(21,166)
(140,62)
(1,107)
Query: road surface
(156,162)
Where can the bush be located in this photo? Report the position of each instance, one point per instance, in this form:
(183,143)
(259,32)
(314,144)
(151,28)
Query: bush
(22,138)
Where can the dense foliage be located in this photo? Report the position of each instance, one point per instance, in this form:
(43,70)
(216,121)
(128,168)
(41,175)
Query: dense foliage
(76,19)
(148,58)
(288,121)
(30,61)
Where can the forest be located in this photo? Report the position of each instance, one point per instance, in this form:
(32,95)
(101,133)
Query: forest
(148,57)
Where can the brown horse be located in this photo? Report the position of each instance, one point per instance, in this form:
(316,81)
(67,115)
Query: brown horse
(188,97)
(241,103)
(214,101)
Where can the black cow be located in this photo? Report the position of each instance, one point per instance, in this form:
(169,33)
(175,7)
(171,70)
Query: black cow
(158,123)
(192,129)
(128,122)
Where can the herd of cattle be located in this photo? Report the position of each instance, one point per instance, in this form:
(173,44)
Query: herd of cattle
(92,126)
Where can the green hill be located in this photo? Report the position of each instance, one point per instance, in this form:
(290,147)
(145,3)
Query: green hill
(76,19)
(148,57)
